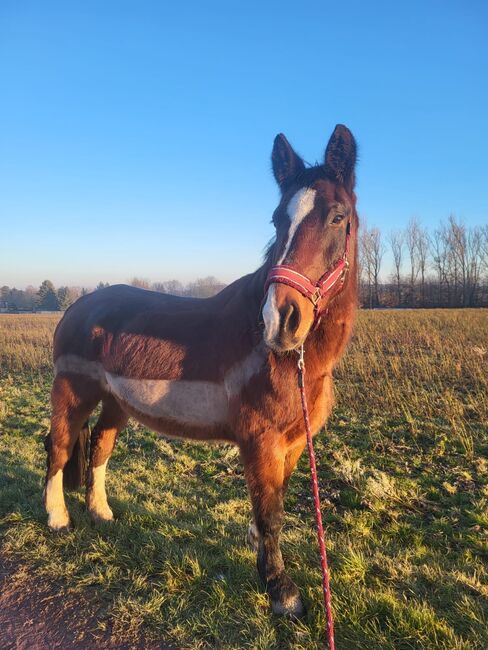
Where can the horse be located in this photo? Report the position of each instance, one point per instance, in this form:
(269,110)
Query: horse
(221,368)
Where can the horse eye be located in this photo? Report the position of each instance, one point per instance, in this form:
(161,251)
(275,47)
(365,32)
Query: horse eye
(338,218)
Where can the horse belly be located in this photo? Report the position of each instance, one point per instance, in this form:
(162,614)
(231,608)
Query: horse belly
(194,409)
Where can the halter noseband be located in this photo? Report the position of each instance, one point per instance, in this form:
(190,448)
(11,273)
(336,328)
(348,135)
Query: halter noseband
(314,291)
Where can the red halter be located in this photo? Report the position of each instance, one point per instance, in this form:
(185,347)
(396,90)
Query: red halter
(314,291)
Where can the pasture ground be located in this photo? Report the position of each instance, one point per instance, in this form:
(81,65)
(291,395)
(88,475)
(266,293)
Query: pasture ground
(402,468)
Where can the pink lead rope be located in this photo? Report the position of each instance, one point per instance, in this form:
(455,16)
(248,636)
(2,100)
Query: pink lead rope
(326,287)
(316,500)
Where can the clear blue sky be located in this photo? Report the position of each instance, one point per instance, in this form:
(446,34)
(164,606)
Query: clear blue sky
(135,137)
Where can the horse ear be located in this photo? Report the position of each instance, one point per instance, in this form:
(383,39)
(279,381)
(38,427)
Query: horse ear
(286,163)
(340,157)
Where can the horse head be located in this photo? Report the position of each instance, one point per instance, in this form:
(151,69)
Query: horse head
(314,221)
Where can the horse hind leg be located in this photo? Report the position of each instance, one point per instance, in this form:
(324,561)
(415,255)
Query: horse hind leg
(73,399)
(110,423)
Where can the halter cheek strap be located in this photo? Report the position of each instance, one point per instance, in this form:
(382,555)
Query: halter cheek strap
(314,291)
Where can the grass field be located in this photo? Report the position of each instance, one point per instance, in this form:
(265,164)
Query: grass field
(402,469)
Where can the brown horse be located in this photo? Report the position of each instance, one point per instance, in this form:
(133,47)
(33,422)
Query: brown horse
(212,369)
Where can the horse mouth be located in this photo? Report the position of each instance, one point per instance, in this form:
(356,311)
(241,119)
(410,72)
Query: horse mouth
(282,346)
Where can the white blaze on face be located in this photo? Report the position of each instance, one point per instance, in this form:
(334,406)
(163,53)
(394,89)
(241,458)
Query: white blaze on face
(300,205)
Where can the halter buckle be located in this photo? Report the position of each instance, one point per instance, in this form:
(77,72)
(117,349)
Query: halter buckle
(316,296)
(301,358)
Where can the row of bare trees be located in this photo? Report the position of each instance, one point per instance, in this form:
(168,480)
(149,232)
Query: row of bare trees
(447,267)
(199,288)
(413,267)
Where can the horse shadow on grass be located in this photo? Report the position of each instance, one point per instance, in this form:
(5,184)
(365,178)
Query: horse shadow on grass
(149,561)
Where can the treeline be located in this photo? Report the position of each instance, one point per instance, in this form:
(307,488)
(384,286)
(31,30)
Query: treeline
(445,267)
(49,298)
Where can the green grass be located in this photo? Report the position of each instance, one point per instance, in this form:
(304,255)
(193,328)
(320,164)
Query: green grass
(403,474)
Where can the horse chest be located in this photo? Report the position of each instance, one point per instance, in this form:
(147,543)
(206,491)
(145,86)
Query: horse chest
(321,403)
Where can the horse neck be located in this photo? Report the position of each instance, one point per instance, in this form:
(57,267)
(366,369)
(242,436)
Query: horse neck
(239,305)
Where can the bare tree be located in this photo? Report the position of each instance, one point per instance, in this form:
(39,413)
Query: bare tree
(142,283)
(422,256)
(205,287)
(411,241)
(160,287)
(484,248)
(373,250)
(174,287)
(396,239)
(378,250)
(474,263)
(467,251)
(366,265)
(439,248)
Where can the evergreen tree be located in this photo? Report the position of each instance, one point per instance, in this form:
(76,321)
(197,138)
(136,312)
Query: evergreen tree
(47,298)
(4,296)
(65,298)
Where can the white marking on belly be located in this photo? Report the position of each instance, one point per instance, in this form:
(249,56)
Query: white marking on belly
(192,402)
(243,371)
(79,366)
(300,205)
(200,403)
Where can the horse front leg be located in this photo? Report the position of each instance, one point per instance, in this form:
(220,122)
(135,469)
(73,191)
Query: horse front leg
(264,466)
(292,457)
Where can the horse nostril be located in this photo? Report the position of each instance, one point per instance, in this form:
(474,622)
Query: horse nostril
(290,319)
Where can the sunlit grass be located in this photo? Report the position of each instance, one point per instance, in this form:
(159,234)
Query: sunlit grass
(403,476)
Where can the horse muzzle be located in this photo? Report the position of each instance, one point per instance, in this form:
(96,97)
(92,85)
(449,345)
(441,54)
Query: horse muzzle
(287,317)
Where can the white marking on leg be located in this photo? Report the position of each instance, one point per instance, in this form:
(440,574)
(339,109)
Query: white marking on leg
(58,516)
(253,536)
(300,205)
(97,496)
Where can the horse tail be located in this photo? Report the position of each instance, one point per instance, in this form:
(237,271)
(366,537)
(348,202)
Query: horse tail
(74,474)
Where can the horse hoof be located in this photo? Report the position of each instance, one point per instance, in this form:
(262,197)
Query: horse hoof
(60,522)
(64,530)
(61,530)
(101,517)
(291,607)
(285,598)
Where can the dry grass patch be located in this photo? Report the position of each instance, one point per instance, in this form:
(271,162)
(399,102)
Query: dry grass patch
(402,469)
